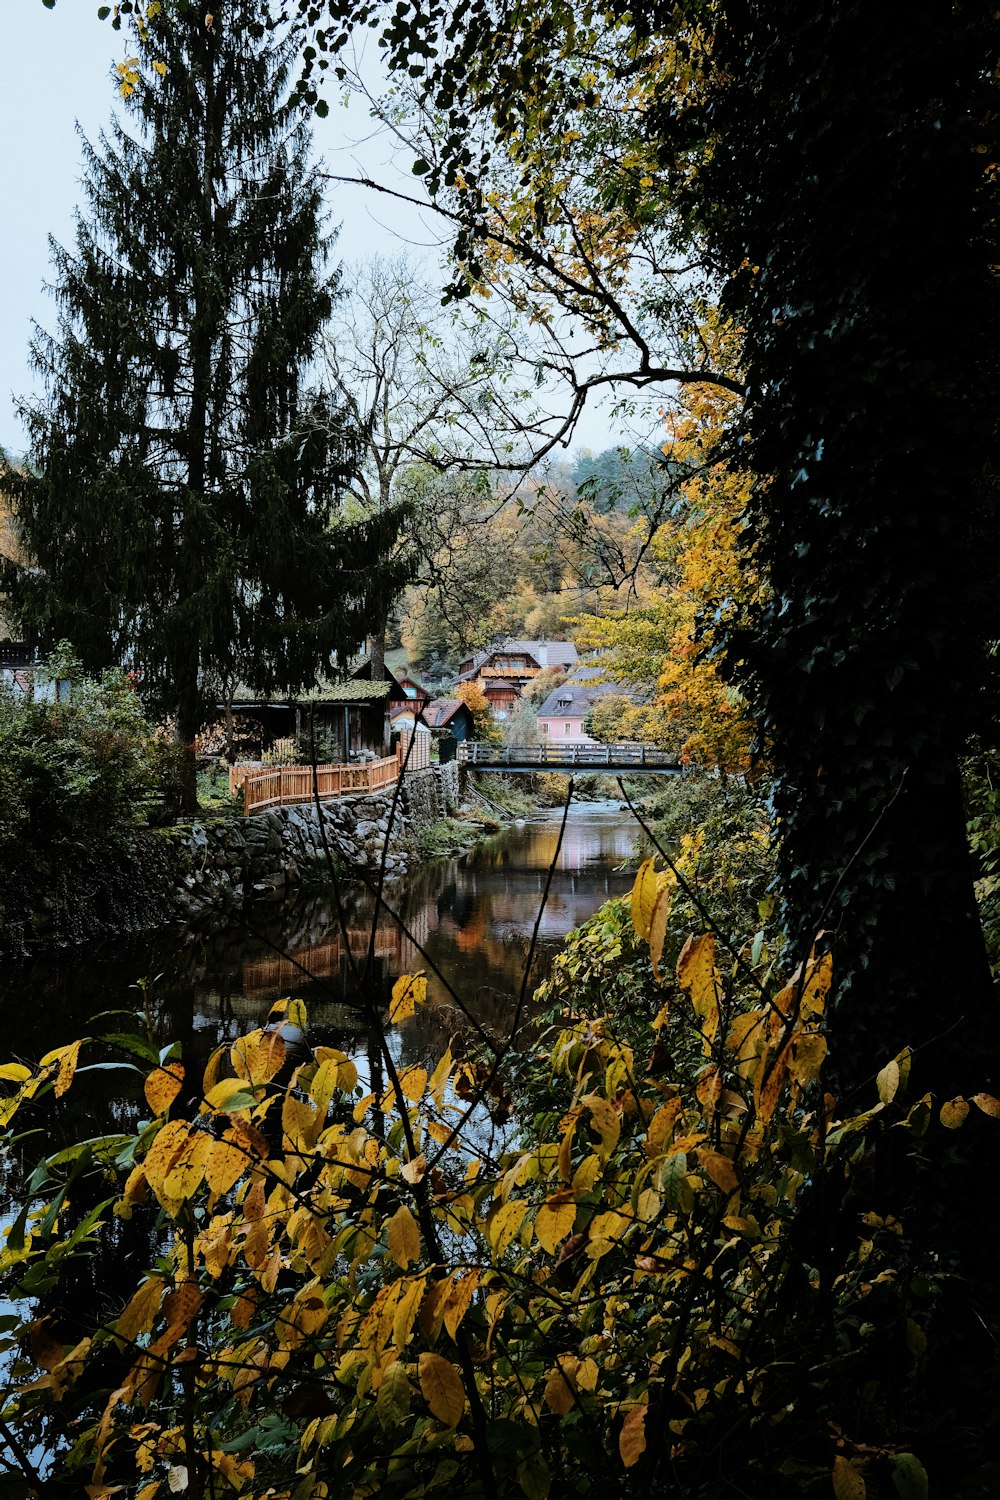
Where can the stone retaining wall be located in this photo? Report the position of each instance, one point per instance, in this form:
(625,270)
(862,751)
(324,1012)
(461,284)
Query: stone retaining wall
(223,864)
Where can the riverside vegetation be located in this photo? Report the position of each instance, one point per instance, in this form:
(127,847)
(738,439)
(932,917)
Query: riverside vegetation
(667,1275)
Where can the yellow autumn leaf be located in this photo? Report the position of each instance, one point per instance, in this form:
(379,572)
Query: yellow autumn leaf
(324,1085)
(406,1311)
(413,1082)
(502,1229)
(300,1121)
(230,1093)
(409,991)
(848,1483)
(987,1104)
(67,1067)
(661,1126)
(403,1237)
(347,1073)
(819,976)
(719,1168)
(807,1057)
(559,1393)
(658,930)
(554,1223)
(457,1301)
(180,1305)
(211,1075)
(188,1169)
(265,1056)
(698,975)
(159,67)
(954,1113)
(167,1146)
(632,1438)
(745,1039)
(442,1388)
(163,1085)
(887,1082)
(605,1120)
(586,1176)
(438,1080)
(139,1314)
(643,899)
(14,1073)
(772,1072)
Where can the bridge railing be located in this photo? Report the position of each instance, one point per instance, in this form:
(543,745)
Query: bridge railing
(566,757)
(284,784)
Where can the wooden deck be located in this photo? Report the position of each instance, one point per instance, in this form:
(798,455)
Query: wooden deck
(280,785)
(630,760)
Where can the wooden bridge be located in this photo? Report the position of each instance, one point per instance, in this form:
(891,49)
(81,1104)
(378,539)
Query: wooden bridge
(619,760)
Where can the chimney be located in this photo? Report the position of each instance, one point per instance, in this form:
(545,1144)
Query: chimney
(542,653)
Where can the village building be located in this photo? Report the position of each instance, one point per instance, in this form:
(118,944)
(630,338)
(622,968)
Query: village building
(501,696)
(516,662)
(562,716)
(355,714)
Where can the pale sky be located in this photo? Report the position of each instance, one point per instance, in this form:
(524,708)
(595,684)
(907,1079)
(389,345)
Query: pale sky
(54,72)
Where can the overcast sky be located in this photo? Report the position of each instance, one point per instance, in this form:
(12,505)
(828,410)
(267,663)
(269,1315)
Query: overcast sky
(54,72)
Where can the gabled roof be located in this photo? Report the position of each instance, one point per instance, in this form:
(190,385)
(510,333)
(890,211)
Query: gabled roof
(443,710)
(576,698)
(556,653)
(435,714)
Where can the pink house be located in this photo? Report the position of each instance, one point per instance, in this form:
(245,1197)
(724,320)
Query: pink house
(562,715)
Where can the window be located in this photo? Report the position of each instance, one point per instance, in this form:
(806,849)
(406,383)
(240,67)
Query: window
(567,729)
(544,726)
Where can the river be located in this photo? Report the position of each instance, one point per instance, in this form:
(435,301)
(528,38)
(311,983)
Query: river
(472,915)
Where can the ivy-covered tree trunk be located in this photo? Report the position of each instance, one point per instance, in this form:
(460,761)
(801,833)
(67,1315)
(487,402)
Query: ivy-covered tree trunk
(849,207)
(181,503)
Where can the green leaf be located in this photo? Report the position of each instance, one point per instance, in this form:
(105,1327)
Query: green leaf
(98,1143)
(322,108)
(909,1477)
(131,1043)
(534,1477)
(420,167)
(86,1225)
(15,1239)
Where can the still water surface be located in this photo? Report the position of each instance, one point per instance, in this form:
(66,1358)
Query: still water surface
(473,916)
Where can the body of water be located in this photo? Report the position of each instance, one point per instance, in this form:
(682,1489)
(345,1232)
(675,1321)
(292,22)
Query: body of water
(473,916)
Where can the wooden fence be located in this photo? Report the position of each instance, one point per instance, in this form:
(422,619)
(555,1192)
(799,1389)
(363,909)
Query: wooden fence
(274,786)
(420,755)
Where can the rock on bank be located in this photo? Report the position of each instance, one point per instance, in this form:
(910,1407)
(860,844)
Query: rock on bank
(218,866)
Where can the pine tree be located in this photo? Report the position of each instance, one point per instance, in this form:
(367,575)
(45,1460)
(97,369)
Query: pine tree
(180,502)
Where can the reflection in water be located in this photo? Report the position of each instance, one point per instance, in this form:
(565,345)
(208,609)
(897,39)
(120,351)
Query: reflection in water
(473,915)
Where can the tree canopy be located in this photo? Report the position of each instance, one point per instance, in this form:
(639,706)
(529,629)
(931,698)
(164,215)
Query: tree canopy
(180,505)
